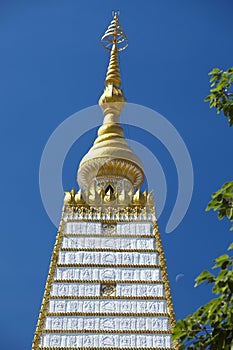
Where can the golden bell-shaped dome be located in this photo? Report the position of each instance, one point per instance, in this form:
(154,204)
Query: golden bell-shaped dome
(111,156)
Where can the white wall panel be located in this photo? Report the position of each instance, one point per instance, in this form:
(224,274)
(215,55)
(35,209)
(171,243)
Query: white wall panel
(106,340)
(75,289)
(108,258)
(105,274)
(92,228)
(107,323)
(134,228)
(110,242)
(107,306)
(134,290)
(93,289)
(87,228)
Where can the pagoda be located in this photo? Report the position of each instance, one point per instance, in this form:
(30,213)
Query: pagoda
(108,286)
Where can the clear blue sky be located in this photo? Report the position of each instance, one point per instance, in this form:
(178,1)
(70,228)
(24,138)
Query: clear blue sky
(52,65)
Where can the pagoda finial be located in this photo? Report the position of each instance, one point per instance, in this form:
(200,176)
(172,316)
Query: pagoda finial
(114,39)
(110,157)
(114,35)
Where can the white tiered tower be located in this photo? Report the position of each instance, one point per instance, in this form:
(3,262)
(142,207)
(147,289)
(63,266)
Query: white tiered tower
(107,286)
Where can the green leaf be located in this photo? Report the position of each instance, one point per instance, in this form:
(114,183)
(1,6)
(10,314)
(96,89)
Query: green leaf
(228,186)
(230,284)
(220,81)
(222,201)
(204,276)
(215,70)
(221,260)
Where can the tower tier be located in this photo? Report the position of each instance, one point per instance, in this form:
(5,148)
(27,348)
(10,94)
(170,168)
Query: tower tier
(107,288)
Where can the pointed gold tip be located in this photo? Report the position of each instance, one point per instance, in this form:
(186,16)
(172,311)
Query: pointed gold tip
(114,35)
(115,40)
(113,74)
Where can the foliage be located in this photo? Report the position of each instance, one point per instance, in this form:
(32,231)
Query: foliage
(222,200)
(219,96)
(211,326)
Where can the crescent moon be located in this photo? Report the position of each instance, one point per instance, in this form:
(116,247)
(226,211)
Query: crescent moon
(179,276)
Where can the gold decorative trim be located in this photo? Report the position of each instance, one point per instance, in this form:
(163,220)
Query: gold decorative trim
(62,348)
(106,235)
(132,213)
(111,221)
(162,314)
(121,214)
(105,281)
(165,279)
(130,266)
(45,301)
(102,199)
(109,250)
(113,163)
(104,331)
(102,297)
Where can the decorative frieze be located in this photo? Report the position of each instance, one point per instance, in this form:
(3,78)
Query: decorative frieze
(109,242)
(107,323)
(107,306)
(93,228)
(107,258)
(105,274)
(93,289)
(106,340)
(113,213)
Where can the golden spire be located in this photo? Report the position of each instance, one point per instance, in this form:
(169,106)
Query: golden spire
(111,155)
(113,73)
(115,40)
